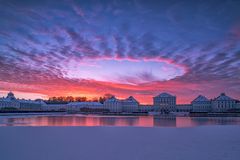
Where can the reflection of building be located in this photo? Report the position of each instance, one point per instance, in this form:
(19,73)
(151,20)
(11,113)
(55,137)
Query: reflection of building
(201,104)
(164,102)
(223,103)
(168,121)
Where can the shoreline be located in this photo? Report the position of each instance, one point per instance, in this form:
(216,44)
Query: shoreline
(192,114)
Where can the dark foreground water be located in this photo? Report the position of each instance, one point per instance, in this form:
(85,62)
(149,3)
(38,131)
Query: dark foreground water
(95,120)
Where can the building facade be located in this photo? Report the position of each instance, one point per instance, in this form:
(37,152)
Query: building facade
(54,107)
(145,108)
(201,104)
(237,105)
(20,104)
(4,103)
(9,102)
(164,102)
(183,108)
(29,105)
(77,106)
(130,105)
(113,105)
(223,103)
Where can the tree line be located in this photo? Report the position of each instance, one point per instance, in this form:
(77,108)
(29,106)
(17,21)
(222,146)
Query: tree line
(68,99)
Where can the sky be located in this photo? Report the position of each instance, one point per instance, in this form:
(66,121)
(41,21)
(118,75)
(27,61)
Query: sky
(139,48)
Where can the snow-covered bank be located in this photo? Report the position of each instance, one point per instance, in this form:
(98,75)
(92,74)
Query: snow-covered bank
(120,143)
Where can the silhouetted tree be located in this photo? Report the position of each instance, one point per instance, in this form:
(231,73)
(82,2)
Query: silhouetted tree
(64,100)
(108,95)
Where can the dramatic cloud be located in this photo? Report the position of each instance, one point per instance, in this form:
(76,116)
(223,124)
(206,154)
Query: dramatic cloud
(137,48)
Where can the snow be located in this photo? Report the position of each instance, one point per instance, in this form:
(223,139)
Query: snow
(120,143)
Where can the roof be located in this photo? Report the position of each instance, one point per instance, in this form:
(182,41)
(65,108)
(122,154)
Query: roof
(112,99)
(200,98)
(10,96)
(8,99)
(131,98)
(223,97)
(84,103)
(28,101)
(164,94)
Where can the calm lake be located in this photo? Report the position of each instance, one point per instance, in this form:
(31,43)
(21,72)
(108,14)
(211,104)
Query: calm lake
(96,120)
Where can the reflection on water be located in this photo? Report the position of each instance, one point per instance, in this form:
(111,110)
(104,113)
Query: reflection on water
(90,120)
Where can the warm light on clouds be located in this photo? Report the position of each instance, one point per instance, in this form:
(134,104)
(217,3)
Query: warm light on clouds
(123,71)
(139,48)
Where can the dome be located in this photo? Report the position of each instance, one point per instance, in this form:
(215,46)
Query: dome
(11,96)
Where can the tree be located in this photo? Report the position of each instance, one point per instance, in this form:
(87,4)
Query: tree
(108,95)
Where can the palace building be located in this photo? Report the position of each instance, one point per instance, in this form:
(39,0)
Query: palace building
(128,105)
(10,102)
(201,104)
(164,102)
(77,106)
(223,103)
(113,105)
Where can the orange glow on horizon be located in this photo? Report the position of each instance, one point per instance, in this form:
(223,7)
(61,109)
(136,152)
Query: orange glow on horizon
(185,92)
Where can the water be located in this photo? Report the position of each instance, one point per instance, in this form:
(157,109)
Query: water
(96,120)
